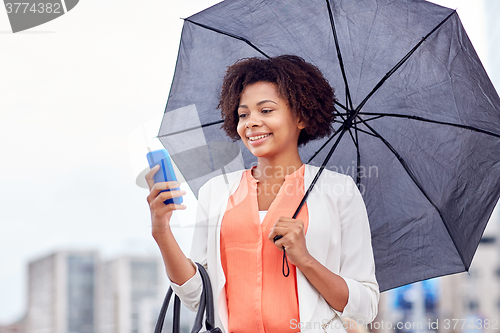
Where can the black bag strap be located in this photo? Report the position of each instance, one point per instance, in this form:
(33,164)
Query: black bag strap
(205,309)
(177,315)
(163,311)
(209,298)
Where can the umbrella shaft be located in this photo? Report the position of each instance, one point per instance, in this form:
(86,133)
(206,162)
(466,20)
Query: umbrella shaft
(327,158)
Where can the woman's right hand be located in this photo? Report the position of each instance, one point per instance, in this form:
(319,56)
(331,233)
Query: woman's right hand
(160,212)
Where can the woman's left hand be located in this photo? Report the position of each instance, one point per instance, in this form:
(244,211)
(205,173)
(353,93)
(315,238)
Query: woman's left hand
(293,240)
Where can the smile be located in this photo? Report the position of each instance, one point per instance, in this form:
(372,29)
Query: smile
(253,138)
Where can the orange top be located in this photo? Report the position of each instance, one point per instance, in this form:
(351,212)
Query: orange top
(259,297)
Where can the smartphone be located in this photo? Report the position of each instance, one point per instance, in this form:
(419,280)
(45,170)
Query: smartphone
(166,173)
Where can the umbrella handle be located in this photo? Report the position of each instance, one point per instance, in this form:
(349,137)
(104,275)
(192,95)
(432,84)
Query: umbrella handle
(285,259)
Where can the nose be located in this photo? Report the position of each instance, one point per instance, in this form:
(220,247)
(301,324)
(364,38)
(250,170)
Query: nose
(253,120)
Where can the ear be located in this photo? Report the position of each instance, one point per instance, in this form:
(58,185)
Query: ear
(301,124)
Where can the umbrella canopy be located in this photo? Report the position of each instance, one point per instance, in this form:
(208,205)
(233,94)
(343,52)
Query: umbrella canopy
(418,124)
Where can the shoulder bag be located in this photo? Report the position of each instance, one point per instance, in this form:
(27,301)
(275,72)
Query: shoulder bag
(205,309)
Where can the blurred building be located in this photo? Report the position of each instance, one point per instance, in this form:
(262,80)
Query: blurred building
(131,291)
(62,293)
(492,12)
(17,327)
(474,297)
(77,292)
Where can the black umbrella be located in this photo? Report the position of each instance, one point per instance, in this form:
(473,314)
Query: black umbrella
(418,126)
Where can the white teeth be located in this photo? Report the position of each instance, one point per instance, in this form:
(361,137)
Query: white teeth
(253,138)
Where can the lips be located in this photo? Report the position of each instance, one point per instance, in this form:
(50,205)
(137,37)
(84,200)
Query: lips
(257,137)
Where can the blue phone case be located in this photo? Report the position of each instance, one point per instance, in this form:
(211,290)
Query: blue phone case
(166,173)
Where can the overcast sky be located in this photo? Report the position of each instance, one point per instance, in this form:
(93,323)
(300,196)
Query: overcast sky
(76,96)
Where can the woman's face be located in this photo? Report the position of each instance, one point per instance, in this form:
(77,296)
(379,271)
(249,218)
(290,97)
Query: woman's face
(266,123)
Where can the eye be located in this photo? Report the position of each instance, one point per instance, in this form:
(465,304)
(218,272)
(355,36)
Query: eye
(266,110)
(241,115)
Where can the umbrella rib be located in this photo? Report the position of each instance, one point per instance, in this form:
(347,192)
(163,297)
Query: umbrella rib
(417,183)
(430,121)
(354,140)
(401,62)
(373,118)
(339,55)
(342,131)
(366,132)
(324,145)
(341,105)
(191,128)
(229,35)
(357,122)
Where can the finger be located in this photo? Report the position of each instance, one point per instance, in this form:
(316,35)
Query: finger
(157,195)
(294,226)
(171,207)
(163,196)
(158,205)
(149,176)
(277,233)
(280,244)
(155,191)
(292,233)
(286,221)
(163,186)
(285,241)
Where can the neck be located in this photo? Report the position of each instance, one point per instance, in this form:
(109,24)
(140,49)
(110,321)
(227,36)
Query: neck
(275,169)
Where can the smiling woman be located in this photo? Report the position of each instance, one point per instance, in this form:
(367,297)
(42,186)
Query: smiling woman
(273,106)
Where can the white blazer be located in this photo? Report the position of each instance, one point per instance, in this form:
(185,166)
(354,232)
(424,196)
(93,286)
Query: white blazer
(338,236)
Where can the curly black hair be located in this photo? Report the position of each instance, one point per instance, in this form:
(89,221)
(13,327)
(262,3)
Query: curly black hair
(302,84)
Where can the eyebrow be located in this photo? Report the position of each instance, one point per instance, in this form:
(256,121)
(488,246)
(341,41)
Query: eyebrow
(260,103)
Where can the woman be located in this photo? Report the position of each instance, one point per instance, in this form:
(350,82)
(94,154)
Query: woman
(274,105)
